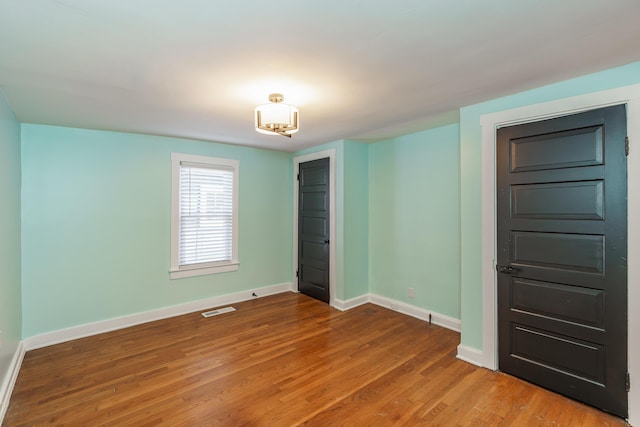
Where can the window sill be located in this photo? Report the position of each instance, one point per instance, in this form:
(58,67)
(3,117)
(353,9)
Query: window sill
(181,273)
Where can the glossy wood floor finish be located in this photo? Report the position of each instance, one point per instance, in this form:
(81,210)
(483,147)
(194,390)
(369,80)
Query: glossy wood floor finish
(283,360)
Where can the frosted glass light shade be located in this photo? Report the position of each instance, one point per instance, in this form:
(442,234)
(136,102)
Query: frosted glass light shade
(276,117)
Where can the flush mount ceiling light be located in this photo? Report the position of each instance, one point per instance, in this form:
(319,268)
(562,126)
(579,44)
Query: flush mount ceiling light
(277,117)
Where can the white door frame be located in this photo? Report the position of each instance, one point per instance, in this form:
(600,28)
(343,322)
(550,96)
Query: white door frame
(629,95)
(331,155)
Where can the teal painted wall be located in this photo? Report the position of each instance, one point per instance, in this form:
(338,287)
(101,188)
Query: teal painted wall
(414,219)
(471,177)
(96,225)
(10,253)
(356,219)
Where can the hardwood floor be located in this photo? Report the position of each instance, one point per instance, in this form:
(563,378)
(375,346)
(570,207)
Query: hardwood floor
(283,360)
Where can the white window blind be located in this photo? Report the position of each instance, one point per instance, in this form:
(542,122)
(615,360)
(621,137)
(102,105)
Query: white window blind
(206,214)
(204,219)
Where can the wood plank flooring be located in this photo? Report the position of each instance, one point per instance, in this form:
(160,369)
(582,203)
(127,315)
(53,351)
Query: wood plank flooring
(283,360)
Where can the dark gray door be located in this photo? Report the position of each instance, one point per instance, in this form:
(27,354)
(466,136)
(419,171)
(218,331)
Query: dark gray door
(562,255)
(313,229)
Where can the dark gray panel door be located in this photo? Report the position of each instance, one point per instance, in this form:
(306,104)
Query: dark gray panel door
(562,255)
(313,229)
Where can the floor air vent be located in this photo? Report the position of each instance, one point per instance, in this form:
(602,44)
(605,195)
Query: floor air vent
(218,311)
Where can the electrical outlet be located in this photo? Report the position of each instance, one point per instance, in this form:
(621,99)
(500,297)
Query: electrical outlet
(411,293)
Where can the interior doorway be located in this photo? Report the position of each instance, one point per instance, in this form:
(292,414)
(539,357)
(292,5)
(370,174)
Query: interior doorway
(629,96)
(314,244)
(562,255)
(331,155)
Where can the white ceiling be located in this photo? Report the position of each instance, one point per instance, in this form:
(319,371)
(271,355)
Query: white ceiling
(357,69)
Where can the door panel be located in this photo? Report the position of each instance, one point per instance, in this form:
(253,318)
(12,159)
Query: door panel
(313,229)
(318,227)
(562,241)
(576,252)
(560,149)
(566,356)
(313,201)
(560,302)
(566,200)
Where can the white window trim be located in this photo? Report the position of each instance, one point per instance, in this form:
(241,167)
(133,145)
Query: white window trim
(176,271)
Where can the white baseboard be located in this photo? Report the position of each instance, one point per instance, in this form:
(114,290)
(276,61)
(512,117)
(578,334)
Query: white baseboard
(417,312)
(94,328)
(470,355)
(6,388)
(350,303)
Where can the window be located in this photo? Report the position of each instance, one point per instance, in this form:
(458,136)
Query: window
(204,217)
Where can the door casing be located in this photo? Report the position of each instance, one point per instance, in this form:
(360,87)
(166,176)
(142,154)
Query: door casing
(628,95)
(331,155)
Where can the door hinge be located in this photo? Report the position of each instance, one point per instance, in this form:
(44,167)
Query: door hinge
(298,177)
(626,146)
(628,382)
(297,273)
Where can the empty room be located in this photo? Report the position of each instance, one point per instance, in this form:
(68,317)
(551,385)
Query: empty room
(319,213)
